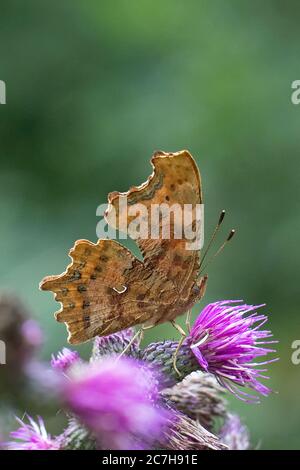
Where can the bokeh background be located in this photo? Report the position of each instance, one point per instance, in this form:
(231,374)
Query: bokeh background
(93,88)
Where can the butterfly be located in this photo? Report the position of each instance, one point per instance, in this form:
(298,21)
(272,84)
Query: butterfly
(106,288)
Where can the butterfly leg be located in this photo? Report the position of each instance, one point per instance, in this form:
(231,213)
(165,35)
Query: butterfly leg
(139,334)
(180,342)
(144,328)
(188,320)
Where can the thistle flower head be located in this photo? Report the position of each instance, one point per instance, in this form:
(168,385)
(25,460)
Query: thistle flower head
(32,332)
(185,433)
(115,344)
(199,396)
(31,436)
(21,334)
(64,359)
(225,339)
(235,434)
(117,401)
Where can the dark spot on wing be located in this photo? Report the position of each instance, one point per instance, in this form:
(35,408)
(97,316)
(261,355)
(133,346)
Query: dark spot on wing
(177,260)
(86,321)
(140,296)
(76,275)
(81,288)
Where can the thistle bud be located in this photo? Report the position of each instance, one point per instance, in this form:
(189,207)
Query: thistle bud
(199,396)
(115,344)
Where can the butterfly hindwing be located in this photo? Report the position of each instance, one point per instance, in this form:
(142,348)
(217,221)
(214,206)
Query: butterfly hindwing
(99,291)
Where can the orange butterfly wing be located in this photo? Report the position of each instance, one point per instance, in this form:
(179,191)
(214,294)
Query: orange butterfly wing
(106,289)
(98,289)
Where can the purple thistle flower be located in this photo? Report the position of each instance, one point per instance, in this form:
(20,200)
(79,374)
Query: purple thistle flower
(225,340)
(65,359)
(235,434)
(117,401)
(32,332)
(32,436)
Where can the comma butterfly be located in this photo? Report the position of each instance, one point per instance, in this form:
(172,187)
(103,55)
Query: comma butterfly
(107,289)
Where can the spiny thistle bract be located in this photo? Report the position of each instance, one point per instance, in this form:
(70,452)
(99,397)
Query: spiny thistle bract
(138,401)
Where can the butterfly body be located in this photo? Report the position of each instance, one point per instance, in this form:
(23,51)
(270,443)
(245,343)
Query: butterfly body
(107,289)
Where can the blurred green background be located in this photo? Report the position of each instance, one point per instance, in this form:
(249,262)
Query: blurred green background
(93,88)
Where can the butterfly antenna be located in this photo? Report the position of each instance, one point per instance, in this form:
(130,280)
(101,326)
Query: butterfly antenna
(213,236)
(231,234)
